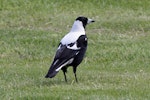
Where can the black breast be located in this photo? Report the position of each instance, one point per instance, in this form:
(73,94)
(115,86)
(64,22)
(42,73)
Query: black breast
(82,44)
(82,41)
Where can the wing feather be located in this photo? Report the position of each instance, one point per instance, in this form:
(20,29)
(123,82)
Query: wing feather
(63,57)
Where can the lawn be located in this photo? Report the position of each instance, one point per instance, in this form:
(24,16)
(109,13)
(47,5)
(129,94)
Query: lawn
(117,62)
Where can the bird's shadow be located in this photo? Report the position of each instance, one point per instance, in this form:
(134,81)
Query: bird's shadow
(53,82)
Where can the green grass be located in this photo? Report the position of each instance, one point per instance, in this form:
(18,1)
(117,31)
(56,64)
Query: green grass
(117,62)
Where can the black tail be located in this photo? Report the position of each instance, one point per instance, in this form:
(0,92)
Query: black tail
(54,68)
(51,74)
(52,71)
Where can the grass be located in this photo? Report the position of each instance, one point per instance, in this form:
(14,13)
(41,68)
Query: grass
(116,66)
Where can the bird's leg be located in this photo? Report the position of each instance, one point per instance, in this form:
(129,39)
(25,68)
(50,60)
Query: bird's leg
(64,71)
(74,70)
(65,76)
(76,77)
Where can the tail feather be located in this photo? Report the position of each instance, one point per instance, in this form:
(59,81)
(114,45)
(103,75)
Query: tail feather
(51,74)
(53,69)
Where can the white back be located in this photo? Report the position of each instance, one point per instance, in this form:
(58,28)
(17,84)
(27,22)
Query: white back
(76,31)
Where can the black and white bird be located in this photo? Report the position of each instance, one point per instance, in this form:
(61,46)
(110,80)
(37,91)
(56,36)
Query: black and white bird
(71,49)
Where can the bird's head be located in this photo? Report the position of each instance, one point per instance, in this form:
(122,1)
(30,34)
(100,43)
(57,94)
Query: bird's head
(85,20)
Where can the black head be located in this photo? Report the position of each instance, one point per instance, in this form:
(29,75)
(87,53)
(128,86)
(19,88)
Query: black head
(84,20)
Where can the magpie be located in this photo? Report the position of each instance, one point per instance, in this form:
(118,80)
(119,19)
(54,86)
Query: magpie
(71,49)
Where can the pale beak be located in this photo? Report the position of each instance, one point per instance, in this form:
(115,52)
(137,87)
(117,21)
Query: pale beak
(90,21)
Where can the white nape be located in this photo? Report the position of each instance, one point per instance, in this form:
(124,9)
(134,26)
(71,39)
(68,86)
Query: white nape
(76,31)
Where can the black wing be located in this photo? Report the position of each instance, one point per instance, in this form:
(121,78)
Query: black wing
(63,57)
